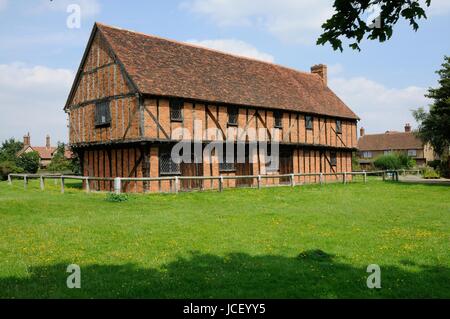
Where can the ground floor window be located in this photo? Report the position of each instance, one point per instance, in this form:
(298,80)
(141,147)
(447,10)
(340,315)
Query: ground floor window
(367,154)
(412,153)
(167,166)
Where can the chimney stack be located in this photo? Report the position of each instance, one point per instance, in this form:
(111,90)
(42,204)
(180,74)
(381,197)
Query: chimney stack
(320,70)
(362,131)
(26,139)
(407,128)
(47,141)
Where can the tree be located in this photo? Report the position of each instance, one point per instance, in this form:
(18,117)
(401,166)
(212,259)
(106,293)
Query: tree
(29,162)
(348,20)
(9,150)
(59,163)
(434,126)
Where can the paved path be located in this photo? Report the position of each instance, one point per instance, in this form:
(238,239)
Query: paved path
(419,180)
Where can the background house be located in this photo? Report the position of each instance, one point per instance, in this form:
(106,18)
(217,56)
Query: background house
(45,152)
(371,146)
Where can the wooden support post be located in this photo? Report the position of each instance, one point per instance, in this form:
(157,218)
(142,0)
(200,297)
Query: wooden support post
(345,178)
(177,182)
(9,179)
(259,181)
(41,182)
(292,180)
(221,183)
(321,178)
(88,186)
(62,185)
(365,177)
(25,181)
(384,175)
(117,185)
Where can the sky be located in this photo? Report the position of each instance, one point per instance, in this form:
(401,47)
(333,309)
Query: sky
(40,53)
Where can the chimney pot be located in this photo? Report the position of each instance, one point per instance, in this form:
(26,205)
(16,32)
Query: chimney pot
(407,127)
(362,131)
(26,139)
(47,141)
(320,70)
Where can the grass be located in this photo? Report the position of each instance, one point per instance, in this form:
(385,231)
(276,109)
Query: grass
(302,242)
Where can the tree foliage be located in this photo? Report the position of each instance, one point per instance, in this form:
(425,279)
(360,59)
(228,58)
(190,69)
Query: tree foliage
(348,20)
(29,162)
(434,126)
(394,161)
(59,163)
(9,150)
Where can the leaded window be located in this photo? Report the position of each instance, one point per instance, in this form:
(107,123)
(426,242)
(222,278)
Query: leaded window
(176,110)
(102,114)
(309,122)
(339,126)
(233,116)
(167,166)
(278,119)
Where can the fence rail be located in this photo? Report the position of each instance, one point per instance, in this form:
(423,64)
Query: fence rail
(117,182)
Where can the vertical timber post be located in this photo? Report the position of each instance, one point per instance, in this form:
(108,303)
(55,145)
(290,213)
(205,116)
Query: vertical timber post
(9,179)
(177,184)
(25,181)
(117,185)
(221,183)
(41,182)
(365,177)
(62,185)
(259,181)
(88,187)
(292,180)
(345,177)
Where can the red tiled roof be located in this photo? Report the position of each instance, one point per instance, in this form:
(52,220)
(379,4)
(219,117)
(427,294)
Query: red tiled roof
(389,141)
(168,68)
(43,151)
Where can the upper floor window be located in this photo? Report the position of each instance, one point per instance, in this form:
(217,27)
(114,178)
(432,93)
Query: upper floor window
(232,115)
(412,153)
(278,119)
(102,114)
(176,110)
(367,154)
(387,152)
(339,126)
(167,166)
(309,122)
(333,159)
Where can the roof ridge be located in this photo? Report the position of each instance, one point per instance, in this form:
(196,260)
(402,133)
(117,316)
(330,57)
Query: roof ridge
(205,48)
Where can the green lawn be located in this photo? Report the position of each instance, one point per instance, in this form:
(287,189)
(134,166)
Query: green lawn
(308,241)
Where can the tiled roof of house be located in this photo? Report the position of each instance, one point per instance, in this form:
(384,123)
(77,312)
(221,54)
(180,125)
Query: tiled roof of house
(168,68)
(389,141)
(45,153)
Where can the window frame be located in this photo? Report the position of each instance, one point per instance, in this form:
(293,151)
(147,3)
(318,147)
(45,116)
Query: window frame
(232,111)
(278,119)
(339,127)
(367,154)
(309,126)
(412,150)
(102,109)
(172,165)
(176,105)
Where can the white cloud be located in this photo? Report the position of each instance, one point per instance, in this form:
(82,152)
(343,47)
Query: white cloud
(89,8)
(234,46)
(379,107)
(32,99)
(288,20)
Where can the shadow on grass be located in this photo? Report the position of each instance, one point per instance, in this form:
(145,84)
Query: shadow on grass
(310,274)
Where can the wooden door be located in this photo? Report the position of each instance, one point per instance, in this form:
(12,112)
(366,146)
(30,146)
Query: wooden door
(286,164)
(244,169)
(191,169)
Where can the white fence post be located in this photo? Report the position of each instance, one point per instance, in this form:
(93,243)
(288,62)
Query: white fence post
(259,181)
(88,186)
(9,179)
(25,181)
(62,185)
(117,185)
(365,177)
(292,180)
(220,183)
(41,182)
(321,178)
(345,178)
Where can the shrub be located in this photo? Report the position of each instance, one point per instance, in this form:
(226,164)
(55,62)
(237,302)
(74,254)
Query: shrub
(406,161)
(430,173)
(8,167)
(389,161)
(116,198)
(29,162)
(434,164)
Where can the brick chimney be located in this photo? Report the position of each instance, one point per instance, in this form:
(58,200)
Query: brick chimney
(47,141)
(26,139)
(362,131)
(321,70)
(407,128)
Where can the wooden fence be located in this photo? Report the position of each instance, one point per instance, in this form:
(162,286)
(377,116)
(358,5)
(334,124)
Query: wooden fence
(117,181)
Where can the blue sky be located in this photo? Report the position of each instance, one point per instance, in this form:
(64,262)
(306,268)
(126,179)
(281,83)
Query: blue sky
(39,54)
